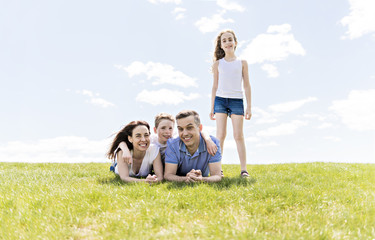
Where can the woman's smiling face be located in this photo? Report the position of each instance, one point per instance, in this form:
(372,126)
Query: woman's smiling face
(140,138)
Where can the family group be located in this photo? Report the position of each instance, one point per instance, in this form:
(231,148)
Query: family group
(193,155)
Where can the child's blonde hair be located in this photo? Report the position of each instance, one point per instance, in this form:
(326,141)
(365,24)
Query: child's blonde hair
(163,116)
(219,52)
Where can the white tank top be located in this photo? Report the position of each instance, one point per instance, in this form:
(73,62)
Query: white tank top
(230,79)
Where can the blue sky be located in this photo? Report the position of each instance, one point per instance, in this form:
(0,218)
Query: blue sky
(73,73)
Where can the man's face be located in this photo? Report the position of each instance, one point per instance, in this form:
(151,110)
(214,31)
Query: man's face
(188,131)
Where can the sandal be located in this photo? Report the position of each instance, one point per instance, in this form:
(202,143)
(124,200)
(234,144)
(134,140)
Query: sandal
(222,173)
(244,174)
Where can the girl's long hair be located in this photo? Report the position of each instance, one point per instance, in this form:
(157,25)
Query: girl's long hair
(219,52)
(122,136)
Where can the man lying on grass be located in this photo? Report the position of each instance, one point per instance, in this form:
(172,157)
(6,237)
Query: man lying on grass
(186,157)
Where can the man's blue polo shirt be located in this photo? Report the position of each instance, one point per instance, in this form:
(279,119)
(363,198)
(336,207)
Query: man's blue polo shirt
(177,153)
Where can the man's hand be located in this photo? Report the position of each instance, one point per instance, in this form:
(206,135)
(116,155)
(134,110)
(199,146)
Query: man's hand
(194,176)
(151,179)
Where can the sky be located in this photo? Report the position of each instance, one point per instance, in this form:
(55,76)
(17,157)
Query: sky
(73,73)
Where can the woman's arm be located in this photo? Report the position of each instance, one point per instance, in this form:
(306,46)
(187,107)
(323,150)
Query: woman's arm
(247,88)
(123,170)
(215,84)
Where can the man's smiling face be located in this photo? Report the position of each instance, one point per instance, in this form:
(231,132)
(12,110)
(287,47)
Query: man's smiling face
(188,131)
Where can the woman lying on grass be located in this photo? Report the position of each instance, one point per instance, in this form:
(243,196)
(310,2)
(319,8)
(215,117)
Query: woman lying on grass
(136,135)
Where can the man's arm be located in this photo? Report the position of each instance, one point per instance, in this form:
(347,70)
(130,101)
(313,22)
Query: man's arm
(170,173)
(215,174)
(171,164)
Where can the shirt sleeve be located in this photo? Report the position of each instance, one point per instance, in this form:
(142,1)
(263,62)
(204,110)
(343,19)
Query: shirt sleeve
(217,157)
(171,154)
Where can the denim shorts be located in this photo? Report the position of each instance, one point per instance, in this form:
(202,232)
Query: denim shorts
(229,106)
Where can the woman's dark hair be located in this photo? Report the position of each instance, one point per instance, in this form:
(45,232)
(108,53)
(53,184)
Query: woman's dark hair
(122,136)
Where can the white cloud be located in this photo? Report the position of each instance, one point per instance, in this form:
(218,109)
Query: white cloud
(271,70)
(94,99)
(179,13)
(252,139)
(165,1)
(332,138)
(357,111)
(284,28)
(282,129)
(262,116)
(230,5)
(314,116)
(164,96)
(212,24)
(325,125)
(274,46)
(291,106)
(361,19)
(68,149)
(160,73)
(268,144)
(100,102)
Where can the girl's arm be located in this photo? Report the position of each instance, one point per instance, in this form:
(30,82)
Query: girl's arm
(123,171)
(215,72)
(247,88)
(126,156)
(158,168)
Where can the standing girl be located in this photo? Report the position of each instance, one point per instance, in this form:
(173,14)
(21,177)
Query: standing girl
(227,96)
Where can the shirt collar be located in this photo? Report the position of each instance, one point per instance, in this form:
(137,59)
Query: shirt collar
(201,147)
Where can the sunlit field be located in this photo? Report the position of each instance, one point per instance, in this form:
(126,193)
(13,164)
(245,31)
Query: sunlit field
(285,201)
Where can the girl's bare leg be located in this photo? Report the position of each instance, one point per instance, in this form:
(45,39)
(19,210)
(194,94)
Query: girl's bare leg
(237,122)
(221,128)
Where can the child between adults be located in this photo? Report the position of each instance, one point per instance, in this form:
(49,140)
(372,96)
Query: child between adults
(136,135)
(164,125)
(229,73)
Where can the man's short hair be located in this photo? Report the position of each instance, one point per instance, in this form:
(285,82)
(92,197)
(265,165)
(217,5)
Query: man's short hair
(188,113)
(163,116)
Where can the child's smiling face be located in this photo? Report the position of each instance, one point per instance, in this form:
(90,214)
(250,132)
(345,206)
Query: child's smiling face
(228,42)
(164,130)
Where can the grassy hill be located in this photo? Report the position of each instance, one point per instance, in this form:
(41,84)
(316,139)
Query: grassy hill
(284,201)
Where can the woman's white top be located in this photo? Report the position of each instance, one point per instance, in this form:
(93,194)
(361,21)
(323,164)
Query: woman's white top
(147,162)
(230,79)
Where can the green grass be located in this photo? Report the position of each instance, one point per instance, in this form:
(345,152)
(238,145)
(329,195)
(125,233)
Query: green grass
(286,201)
